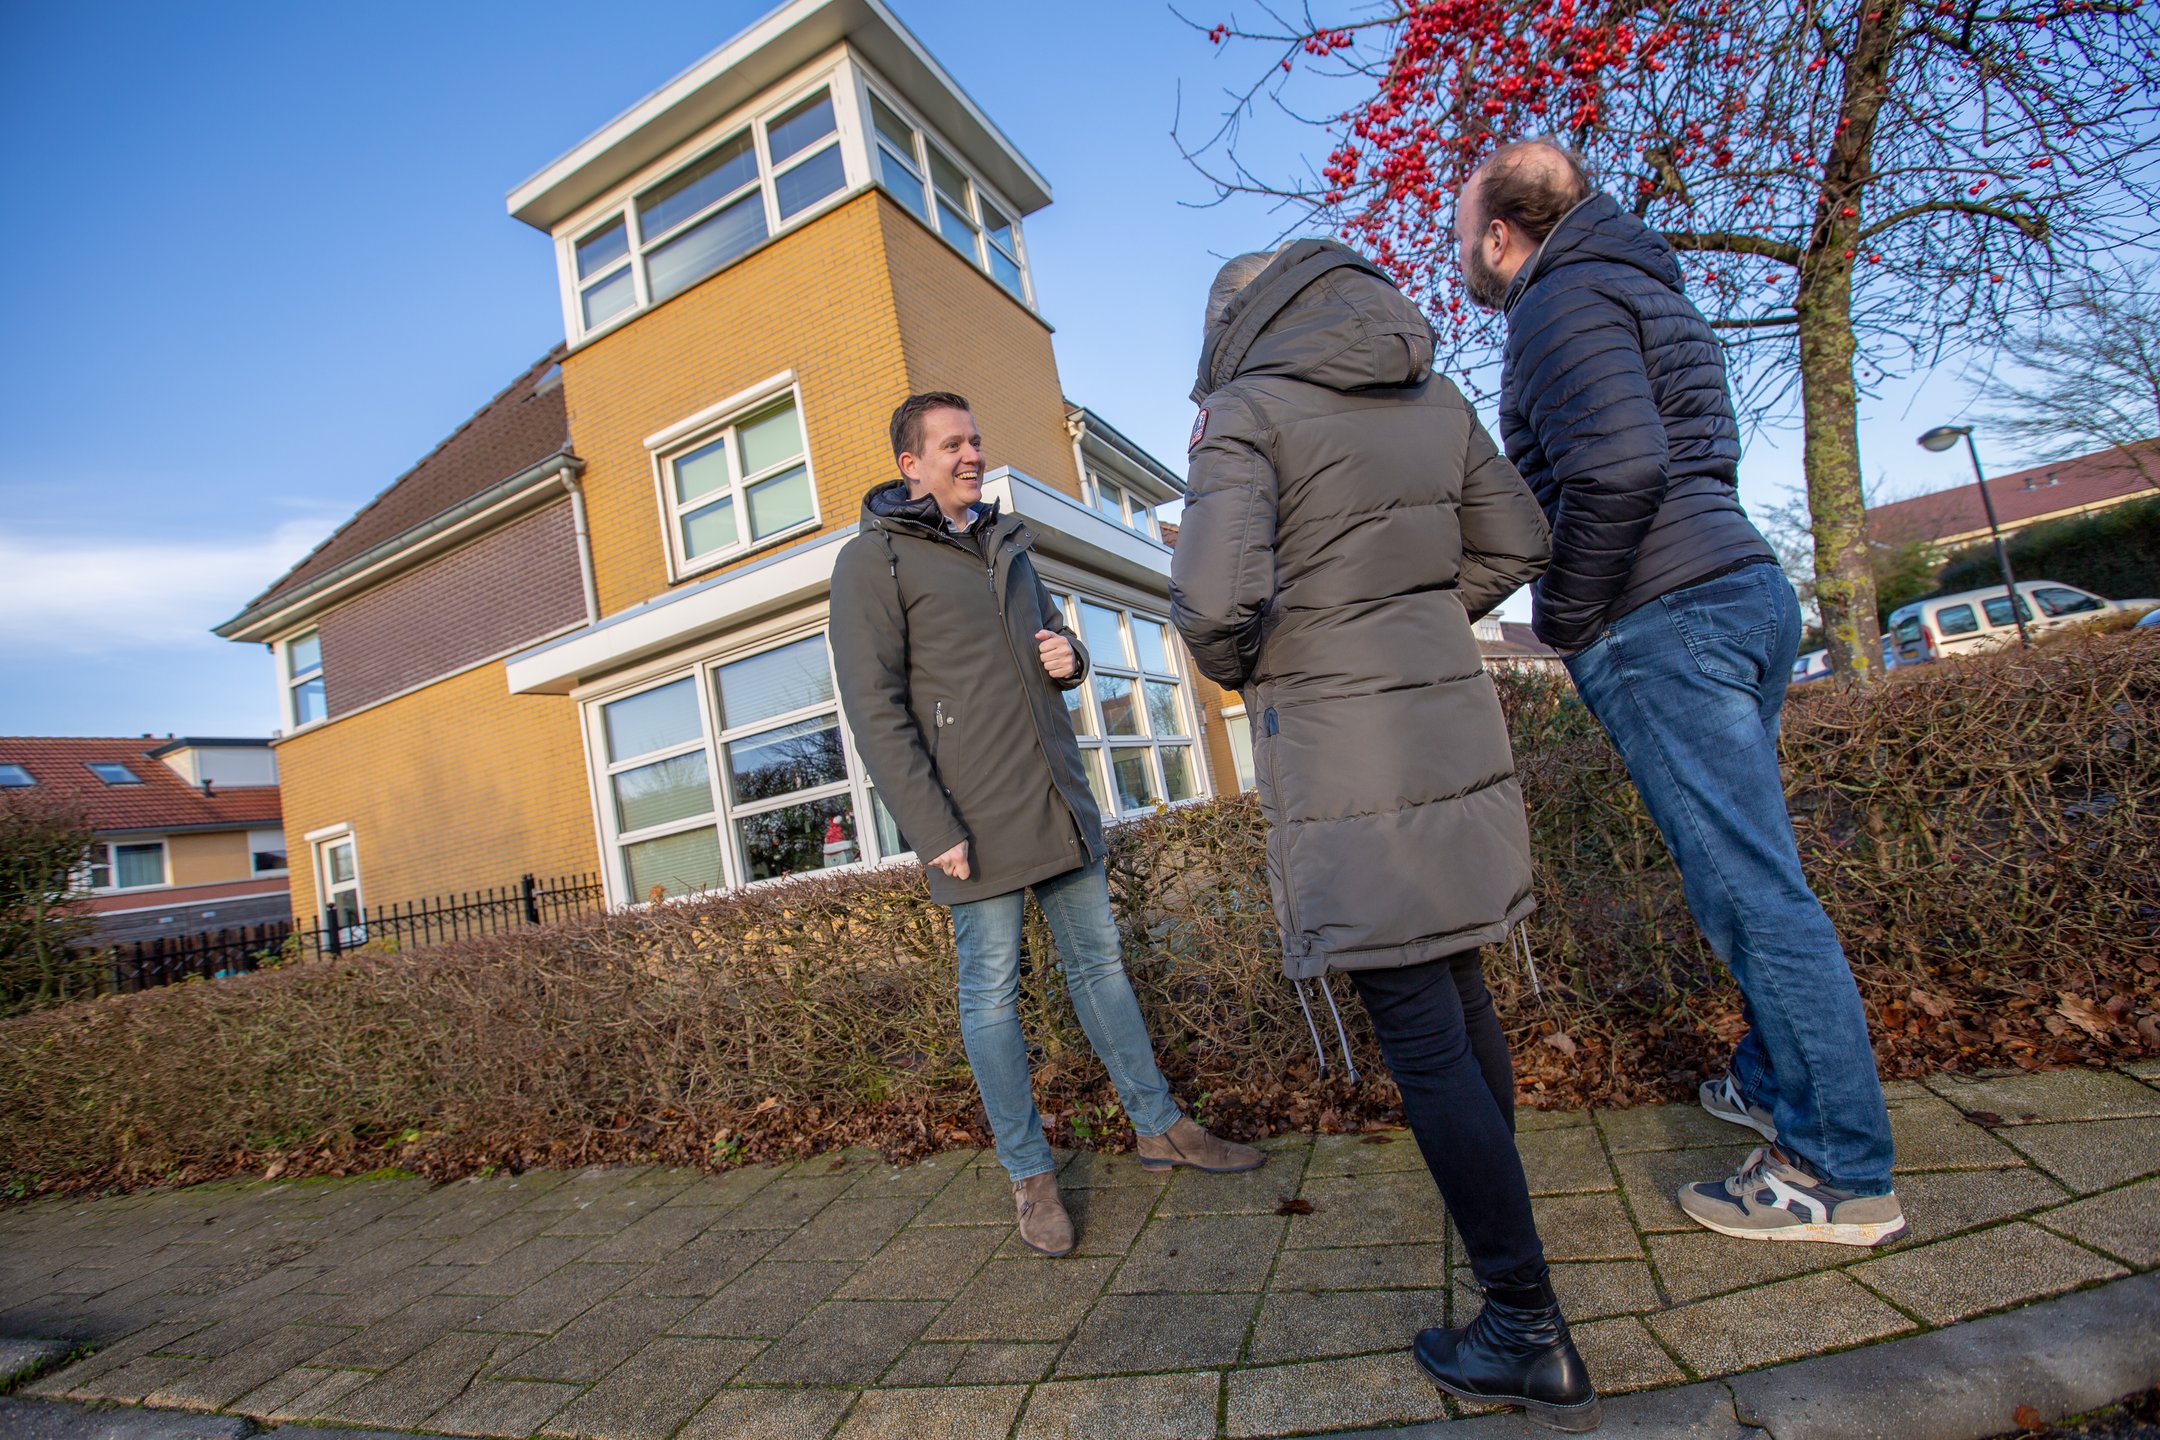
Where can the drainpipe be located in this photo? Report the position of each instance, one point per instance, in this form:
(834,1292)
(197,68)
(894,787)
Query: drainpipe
(569,478)
(1077,428)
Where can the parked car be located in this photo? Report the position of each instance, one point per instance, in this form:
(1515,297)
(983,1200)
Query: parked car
(1971,621)
(2151,620)
(1814,665)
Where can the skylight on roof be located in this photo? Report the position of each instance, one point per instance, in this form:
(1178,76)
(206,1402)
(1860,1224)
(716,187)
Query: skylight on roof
(112,772)
(14,777)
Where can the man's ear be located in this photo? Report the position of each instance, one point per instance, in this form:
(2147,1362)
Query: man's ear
(908,466)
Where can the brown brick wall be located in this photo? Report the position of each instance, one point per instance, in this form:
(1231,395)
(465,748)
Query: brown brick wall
(961,332)
(511,585)
(458,786)
(817,302)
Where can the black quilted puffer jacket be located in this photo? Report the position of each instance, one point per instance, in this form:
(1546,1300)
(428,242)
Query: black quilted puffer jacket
(1614,406)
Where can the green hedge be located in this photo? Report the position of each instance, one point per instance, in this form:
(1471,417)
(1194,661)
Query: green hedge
(2113,552)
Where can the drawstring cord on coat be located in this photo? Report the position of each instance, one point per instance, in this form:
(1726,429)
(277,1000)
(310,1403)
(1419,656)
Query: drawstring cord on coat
(1341,1035)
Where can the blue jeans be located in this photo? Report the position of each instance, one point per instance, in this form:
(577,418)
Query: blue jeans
(1689,688)
(986,933)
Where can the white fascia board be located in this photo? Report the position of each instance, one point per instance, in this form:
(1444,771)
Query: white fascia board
(781,580)
(1071,531)
(760,57)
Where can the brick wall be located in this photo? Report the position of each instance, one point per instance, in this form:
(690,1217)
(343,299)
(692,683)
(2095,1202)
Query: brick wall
(511,585)
(457,786)
(816,302)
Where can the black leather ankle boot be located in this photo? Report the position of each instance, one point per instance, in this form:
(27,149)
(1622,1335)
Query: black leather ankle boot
(1517,1352)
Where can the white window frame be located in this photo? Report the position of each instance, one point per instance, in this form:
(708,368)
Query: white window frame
(1242,762)
(109,863)
(285,869)
(1096,748)
(322,842)
(289,683)
(702,429)
(711,742)
(1132,514)
(978,192)
(835,74)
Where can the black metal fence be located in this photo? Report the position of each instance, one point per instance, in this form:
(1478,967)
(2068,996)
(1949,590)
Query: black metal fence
(138,965)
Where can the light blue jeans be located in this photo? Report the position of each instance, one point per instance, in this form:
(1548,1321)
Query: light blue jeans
(986,933)
(1689,688)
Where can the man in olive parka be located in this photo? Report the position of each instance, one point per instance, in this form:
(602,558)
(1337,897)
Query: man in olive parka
(1346,518)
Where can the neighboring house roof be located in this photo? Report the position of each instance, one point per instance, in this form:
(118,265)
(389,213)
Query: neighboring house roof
(1517,642)
(524,425)
(1117,441)
(2022,497)
(163,801)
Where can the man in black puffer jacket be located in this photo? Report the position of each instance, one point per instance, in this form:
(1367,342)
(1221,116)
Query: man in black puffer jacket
(1680,633)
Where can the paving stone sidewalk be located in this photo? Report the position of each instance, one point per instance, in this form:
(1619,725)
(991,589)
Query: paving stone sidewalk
(843,1297)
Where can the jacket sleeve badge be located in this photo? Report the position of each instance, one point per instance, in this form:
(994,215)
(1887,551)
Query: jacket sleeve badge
(1199,431)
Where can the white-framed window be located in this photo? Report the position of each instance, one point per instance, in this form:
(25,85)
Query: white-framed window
(766,173)
(1134,716)
(266,852)
(736,483)
(1240,732)
(734,771)
(305,701)
(15,777)
(337,884)
(923,176)
(1116,503)
(125,865)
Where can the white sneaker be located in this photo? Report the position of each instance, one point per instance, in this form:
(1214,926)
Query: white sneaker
(1773,1199)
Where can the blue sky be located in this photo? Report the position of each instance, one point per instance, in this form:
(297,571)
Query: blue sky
(262,265)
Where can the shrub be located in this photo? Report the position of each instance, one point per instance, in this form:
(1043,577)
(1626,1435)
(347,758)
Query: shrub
(1984,836)
(43,840)
(2113,552)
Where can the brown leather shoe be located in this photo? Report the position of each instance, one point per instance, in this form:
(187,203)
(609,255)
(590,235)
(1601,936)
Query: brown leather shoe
(1187,1144)
(1044,1225)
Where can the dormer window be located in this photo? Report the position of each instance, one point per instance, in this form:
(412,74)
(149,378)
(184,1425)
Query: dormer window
(951,202)
(1115,503)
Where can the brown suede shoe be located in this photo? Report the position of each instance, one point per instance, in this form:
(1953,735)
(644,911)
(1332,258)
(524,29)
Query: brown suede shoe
(1044,1225)
(1187,1144)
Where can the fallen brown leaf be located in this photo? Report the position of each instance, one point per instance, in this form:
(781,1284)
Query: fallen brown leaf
(1288,1206)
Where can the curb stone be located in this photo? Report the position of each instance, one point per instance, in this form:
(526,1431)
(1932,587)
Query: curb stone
(22,1360)
(2063,1357)
(59,1420)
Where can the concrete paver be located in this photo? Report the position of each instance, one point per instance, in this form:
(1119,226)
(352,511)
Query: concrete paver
(842,1295)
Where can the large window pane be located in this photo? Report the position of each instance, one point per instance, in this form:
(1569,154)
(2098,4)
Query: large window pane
(702,471)
(800,128)
(710,529)
(793,677)
(338,860)
(955,228)
(1093,759)
(604,301)
(1076,707)
(307,702)
(1110,500)
(793,839)
(999,227)
(601,249)
(948,178)
(1135,779)
(1005,272)
(303,653)
(1105,637)
(811,181)
(1153,644)
(1120,708)
(138,865)
(719,173)
(1164,714)
(771,439)
(673,789)
(780,762)
(705,247)
(780,503)
(902,181)
(892,127)
(890,841)
(1178,772)
(674,864)
(652,720)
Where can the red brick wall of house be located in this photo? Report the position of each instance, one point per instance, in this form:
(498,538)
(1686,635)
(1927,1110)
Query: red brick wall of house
(507,587)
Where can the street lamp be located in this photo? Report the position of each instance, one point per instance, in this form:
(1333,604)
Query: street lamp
(1941,438)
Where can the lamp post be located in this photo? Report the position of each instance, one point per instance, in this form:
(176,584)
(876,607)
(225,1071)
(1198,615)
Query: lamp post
(1941,438)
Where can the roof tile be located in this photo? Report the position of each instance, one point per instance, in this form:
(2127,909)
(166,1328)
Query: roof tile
(163,800)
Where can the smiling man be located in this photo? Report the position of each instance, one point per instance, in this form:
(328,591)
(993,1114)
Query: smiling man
(953,664)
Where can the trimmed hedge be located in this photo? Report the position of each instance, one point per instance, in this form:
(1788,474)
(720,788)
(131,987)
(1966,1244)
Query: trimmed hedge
(1983,833)
(2113,552)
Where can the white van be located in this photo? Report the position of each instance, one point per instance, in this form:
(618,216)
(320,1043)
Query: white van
(1971,621)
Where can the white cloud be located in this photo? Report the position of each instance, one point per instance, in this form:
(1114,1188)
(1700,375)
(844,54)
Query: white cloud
(83,596)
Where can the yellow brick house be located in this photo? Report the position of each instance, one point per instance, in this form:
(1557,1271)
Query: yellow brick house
(588,631)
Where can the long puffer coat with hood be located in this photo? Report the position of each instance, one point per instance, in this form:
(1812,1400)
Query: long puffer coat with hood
(1346,518)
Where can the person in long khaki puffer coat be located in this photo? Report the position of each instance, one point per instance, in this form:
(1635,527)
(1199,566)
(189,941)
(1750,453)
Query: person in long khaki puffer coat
(1346,519)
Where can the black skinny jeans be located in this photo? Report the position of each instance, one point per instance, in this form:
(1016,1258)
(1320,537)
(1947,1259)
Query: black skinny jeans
(1442,1041)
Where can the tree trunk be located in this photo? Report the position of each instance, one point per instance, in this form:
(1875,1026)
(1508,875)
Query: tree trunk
(1837,502)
